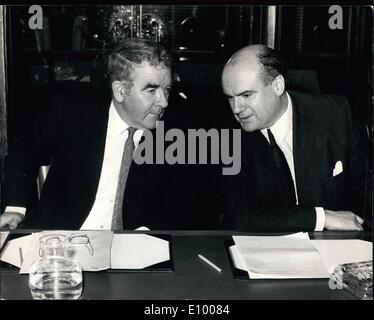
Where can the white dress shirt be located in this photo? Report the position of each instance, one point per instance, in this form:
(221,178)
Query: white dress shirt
(282,131)
(100,216)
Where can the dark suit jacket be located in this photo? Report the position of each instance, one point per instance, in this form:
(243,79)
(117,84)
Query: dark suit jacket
(323,133)
(71,137)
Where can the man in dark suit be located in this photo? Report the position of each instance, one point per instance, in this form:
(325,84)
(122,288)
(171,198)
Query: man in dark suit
(304,158)
(88,139)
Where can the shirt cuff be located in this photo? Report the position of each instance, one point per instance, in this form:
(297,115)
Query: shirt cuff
(20,210)
(320,219)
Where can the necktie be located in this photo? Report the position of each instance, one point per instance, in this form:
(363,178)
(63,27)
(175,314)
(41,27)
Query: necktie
(282,165)
(117,223)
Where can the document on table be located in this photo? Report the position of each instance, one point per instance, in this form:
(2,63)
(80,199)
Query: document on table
(278,257)
(14,250)
(336,252)
(268,260)
(138,251)
(92,256)
(104,250)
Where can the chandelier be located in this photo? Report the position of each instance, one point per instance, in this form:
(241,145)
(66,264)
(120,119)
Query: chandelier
(129,21)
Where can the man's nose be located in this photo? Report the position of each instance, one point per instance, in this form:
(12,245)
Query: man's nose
(236,105)
(162,100)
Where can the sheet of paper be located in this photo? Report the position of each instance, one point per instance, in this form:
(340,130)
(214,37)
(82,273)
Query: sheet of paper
(335,252)
(280,257)
(3,236)
(238,260)
(16,249)
(138,251)
(93,256)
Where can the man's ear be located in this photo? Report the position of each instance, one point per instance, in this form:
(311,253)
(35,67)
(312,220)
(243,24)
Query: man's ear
(279,85)
(118,90)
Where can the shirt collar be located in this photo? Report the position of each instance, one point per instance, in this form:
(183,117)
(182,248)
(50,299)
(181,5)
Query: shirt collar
(119,127)
(117,124)
(282,126)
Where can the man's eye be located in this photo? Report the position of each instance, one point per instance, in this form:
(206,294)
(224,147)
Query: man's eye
(151,90)
(246,95)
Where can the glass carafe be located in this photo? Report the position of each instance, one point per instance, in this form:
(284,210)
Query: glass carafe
(55,275)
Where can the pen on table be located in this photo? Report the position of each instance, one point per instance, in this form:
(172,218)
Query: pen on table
(209,262)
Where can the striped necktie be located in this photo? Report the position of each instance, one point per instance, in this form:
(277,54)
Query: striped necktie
(117,220)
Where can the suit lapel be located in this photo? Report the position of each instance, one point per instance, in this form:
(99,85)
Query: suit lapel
(96,148)
(304,136)
(263,152)
(132,177)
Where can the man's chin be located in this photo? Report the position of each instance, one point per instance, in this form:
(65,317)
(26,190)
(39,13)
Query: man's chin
(150,125)
(248,127)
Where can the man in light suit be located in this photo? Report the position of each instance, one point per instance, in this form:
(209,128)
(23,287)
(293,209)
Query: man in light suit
(83,138)
(304,158)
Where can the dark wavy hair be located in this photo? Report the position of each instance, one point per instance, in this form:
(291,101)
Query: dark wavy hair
(120,61)
(273,65)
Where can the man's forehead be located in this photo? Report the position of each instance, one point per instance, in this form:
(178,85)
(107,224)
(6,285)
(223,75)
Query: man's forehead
(239,78)
(147,72)
(246,64)
(146,65)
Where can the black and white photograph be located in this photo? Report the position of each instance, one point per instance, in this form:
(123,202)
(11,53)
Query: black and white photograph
(186,155)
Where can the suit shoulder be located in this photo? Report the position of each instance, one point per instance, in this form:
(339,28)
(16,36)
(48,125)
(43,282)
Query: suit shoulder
(71,106)
(73,100)
(325,107)
(69,111)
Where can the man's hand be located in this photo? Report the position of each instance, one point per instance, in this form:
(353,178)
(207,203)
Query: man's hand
(11,219)
(342,220)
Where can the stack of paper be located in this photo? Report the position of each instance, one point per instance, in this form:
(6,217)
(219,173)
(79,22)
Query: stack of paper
(295,256)
(271,257)
(337,252)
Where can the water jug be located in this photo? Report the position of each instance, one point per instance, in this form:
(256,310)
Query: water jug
(55,275)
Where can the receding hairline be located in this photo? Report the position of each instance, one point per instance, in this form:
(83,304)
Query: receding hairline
(247,53)
(146,63)
(246,57)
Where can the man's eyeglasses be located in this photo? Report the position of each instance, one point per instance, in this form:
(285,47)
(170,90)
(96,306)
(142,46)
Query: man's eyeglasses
(81,239)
